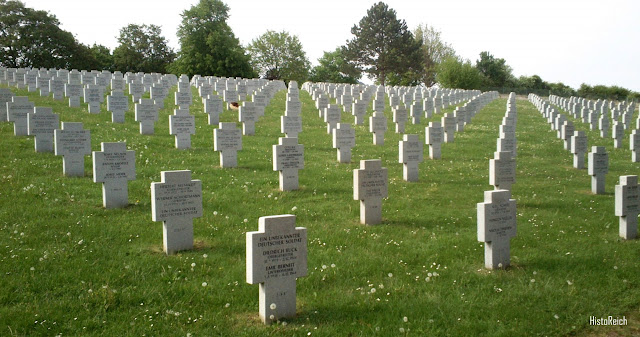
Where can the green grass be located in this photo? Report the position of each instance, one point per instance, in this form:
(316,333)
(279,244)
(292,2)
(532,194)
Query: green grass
(70,267)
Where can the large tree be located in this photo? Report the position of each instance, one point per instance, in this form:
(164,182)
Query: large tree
(103,57)
(433,51)
(495,70)
(33,38)
(454,73)
(142,48)
(335,69)
(208,46)
(279,56)
(382,44)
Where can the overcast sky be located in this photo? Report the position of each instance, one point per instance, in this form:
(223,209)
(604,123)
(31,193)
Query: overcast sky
(574,42)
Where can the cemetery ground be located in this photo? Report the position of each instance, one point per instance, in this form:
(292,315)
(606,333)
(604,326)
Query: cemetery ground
(70,267)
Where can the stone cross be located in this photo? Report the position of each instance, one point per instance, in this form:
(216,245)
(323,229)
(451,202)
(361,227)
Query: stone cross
(276,256)
(400,118)
(136,89)
(73,91)
(175,201)
(598,168)
(567,130)
(449,126)
(378,126)
(634,145)
(370,186)
(17,111)
(617,134)
(627,206)
(5,97)
(146,114)
(290,125)
(332,117)
(182,124)
(112,167)
(496,227)
(416,112)
(293,106)
(344,138)
(92,96)
(288,158)
(434,139)
(72,142)
(460,114)
(41,124)
(359,110)
(578,148)
(228,140)
(248,116)
(183,99)
(502,170)
(410,155)
(213,108)
(117,103)
(506,144)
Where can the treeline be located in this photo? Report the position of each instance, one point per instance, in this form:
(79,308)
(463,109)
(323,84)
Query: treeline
(208,47)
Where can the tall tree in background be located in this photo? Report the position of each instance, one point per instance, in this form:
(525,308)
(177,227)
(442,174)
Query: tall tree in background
(142,48)
(103,57)
(33,38)
(208,46)
(335,69)
(495,70)
(453,73)
(382,44)
(279,56)
(433,51)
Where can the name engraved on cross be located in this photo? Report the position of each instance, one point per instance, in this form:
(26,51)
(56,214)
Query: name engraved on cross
(578,148)
(276,256)
(247,114)
(146,114)
(227,139)
(118,104)
(288,158)
(344,138)
(410,155)
(496,227)
(175,201)
(213,108)
(72,142)
(502,170)
(182,124)
(434,138)
(41,124)
(378,126)
(113,167)
(627,206)
(17,111)
(400,118)
(370,186)
(92,96)
(598,168)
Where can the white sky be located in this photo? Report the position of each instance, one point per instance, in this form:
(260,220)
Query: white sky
(574,42)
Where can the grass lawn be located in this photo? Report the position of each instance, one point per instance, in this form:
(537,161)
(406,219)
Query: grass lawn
(69,267)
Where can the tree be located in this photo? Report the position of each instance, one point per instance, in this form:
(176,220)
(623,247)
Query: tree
(279,56)
(453,73)
(433,51)
(335,69)
(142,48)
(32,38)
(495,70)
(208,46)
(382,44)
(103,57)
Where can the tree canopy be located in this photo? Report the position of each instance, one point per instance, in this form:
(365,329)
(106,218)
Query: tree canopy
(33,38)
(208,46)
(453,73)
(382,44)
(495,70)
(335,69)
(433,51)
(142,48)
(279,56)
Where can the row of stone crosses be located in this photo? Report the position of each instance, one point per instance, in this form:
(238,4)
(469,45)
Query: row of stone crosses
(276,253)
(627,194)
